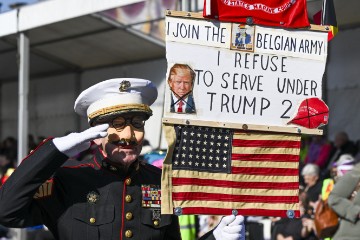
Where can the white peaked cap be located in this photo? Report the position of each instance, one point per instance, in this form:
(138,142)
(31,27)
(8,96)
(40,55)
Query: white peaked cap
(116,96)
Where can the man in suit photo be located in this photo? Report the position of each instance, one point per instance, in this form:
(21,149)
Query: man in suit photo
(181,82)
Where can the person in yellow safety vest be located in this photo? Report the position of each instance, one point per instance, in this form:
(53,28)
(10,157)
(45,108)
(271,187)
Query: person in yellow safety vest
(344,164)
(187,227)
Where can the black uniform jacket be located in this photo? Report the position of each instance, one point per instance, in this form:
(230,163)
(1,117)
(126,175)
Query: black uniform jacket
(87,200)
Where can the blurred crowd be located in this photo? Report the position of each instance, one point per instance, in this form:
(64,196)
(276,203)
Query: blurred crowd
(322,164)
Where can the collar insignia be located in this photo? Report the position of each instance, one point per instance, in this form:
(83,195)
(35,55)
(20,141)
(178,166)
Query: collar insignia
(92,197)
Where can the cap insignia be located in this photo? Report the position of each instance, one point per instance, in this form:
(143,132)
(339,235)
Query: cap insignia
(124,85)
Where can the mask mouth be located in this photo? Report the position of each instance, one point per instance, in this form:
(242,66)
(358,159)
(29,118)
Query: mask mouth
(125,143)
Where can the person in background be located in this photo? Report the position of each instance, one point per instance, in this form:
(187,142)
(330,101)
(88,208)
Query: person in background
(345,201)
(313,183)
(319,151)
(340,168)
(105,197)
(342,145)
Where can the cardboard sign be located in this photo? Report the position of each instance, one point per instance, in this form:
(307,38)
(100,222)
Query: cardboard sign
(235,73)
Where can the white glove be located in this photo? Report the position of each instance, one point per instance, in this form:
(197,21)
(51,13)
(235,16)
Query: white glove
(74,143)
(230,228)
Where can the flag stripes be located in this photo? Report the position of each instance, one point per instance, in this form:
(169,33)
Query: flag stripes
(265,171)
(268,143)
(230,177)
(233,198)
(266,157)
(232,184)
(245,212)
(235,191)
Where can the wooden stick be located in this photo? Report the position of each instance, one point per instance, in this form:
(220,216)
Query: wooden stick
(242,126)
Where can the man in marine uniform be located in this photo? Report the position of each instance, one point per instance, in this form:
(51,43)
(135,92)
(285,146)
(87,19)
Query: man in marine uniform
(111,196)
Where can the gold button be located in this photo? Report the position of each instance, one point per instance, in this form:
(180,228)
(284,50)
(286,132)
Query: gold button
(128,198)
(128,233)
(129,216)
(156,223)
(92,220)
(128,181)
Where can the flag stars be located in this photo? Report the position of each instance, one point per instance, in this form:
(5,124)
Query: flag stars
(205,149)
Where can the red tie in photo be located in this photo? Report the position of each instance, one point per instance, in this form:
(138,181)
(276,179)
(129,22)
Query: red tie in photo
(181,104)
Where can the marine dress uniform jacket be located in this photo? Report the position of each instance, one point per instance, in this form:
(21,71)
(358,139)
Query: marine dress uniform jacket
(87,200)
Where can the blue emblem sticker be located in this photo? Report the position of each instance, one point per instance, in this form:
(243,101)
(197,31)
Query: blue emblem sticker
(178,211)
(290,213)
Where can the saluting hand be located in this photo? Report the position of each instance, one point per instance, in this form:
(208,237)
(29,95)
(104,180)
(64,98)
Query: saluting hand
(74,143)
(230,228)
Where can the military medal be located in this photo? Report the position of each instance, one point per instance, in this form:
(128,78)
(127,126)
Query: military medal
(151,196)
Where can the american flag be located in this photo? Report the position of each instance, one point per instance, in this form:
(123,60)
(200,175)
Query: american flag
(216,170)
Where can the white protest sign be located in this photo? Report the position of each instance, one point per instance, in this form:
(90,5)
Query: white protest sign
(257,75)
